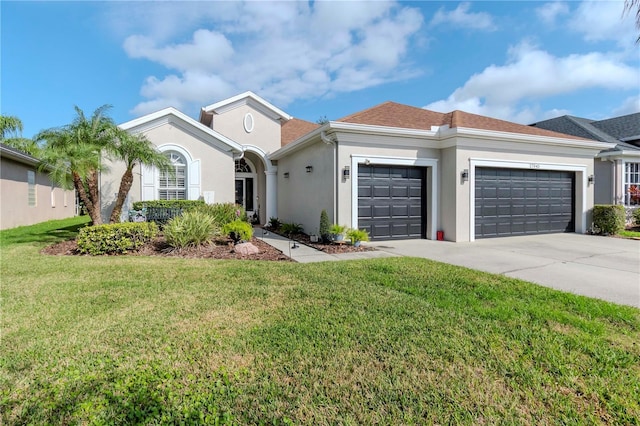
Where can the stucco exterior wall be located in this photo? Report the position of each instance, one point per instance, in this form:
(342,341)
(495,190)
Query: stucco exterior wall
(211,170)
(449,193)
(603,188)
(52,202)
(302,196)
(265,133)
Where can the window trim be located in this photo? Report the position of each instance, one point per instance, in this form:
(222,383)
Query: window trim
(630,177)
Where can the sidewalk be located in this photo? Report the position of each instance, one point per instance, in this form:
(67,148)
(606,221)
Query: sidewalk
(304,254)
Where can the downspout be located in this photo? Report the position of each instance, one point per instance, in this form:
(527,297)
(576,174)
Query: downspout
(241,155)
(329,141)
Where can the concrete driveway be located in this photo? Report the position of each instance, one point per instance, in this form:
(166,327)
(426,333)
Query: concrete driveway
(600,267)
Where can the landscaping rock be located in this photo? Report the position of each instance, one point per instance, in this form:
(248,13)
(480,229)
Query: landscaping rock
(246,249)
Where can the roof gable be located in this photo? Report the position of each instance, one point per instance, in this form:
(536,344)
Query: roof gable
(173,116)
(251,99)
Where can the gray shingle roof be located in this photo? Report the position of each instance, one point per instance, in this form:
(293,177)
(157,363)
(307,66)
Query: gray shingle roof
(615,130)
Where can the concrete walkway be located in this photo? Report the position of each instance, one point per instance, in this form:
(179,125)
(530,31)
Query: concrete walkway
(305,254)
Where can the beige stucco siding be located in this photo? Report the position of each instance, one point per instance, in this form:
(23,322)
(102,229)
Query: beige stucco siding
(265,133)
(211,170)
(302,196)
(52,202)
(449,194)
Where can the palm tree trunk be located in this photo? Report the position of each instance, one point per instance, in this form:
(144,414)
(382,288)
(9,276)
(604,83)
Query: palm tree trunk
(125,185)
(85,198)
(94,195)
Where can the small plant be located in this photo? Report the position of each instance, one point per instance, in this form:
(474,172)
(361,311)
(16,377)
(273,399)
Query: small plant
(357,235)
(289,229)
(117,238)
(324,227)
(238,230)
(336,232)
(274,223)
(193,228)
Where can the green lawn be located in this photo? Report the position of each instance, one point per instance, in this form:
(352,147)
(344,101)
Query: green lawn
(126,340)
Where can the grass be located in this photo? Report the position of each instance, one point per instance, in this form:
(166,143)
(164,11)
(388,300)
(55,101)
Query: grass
(129,340)
(629,234)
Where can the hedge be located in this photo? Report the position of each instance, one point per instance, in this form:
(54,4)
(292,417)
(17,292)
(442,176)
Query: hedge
(116,238)
(169,204)
(608,219)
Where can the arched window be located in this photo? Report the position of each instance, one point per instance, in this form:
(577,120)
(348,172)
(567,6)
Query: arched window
(173,186)
(242,166)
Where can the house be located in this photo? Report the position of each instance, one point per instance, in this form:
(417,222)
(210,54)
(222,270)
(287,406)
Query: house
(28,195)
(395,170)
(617,170)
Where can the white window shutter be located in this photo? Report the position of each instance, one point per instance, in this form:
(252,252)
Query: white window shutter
(148,183)
(194,180)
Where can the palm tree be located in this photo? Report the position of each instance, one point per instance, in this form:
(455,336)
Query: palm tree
(629,5)
(8,125)
(133,150)
(73,153)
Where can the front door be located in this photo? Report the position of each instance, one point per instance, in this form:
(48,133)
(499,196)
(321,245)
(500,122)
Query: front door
(244,193)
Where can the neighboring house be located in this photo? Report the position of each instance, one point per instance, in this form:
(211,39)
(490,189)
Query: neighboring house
(28,195)
(617,170)
(396,170)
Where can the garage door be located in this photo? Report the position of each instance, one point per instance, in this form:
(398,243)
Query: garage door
(522,202)
(391,201)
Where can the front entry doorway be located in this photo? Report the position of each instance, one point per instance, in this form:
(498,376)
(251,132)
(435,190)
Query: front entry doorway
(246,186)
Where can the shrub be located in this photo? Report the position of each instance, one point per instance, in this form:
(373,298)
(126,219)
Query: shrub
(291,228)
(356,235)
(168,204)
(193,228)
(274,223)
(608,219)
(115,238)
(636,216)
(238,230)
(223,213)
(324,226)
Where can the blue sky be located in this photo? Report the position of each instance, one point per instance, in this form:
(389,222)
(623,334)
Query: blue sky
(520,61)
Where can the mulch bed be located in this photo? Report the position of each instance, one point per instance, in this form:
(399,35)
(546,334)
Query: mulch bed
(221,249)
(159,247)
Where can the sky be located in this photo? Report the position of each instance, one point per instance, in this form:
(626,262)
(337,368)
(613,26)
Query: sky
(514,60)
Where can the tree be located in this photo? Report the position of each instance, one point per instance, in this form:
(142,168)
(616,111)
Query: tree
(629,5)
(8,125)
(132,150)
(322,120)
(73,155)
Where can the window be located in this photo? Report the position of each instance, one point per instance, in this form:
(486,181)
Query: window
(242,166)
(31,185)
(632,184)
(173,186)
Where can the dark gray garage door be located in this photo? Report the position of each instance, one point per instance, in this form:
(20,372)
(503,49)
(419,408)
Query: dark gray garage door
(523,202)
(391,201)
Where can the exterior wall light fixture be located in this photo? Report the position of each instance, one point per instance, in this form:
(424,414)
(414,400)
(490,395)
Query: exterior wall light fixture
(309,169)
(346,172)
(591,179)
(286,175)
(464,175)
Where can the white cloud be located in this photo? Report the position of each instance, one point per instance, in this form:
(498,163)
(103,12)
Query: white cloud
(549,12)
(534,74)
(282,50)
(603,20)
(461,17)
(630,105)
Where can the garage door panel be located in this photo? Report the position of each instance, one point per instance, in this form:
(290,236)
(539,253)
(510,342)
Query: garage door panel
(390,201)
(522,202)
